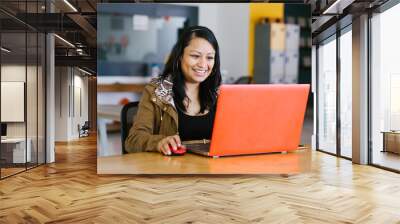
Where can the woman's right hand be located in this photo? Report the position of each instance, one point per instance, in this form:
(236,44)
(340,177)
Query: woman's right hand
(173,141)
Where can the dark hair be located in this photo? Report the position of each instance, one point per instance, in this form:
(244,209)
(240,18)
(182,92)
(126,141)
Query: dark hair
(208,88)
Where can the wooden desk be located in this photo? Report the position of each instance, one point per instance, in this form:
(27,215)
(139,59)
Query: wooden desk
(391,141)
(118,87)
(111,112)
(155,163)
(132,83)
(13,150)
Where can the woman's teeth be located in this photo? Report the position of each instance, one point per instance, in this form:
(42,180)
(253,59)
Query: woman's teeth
(199,71)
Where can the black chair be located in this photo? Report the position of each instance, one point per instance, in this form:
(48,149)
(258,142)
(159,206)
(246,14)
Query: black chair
(244,80)
(127,113)
(84,129)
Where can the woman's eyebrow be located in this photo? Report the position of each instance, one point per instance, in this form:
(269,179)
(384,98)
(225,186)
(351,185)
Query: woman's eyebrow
(196,51)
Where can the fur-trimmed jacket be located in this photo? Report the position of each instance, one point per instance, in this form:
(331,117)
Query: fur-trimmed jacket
(155,119)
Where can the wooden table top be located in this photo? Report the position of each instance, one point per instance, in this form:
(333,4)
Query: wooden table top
(112,112)
(154,163)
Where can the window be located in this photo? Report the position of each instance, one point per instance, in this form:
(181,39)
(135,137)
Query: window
(326,96)
(346,93)
(385,89)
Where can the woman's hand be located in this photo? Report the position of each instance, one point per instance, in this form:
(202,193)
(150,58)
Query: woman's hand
(173,141)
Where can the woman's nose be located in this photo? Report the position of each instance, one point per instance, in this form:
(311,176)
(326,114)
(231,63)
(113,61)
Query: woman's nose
(202,62)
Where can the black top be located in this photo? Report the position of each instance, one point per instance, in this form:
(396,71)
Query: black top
(195,127)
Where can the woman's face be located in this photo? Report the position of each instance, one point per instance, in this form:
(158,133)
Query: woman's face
(198,60)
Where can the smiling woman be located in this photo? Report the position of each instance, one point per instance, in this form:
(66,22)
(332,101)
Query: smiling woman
(180,104)
(198,60)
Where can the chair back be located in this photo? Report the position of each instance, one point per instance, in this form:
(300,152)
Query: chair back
(244,80)
(86,125)
(128,112)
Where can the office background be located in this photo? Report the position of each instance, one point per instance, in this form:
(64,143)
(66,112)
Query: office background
(338,190)
(39,108)
(357,86)
(22,77)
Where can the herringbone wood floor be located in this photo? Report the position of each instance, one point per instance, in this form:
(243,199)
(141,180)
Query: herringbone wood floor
(70,191)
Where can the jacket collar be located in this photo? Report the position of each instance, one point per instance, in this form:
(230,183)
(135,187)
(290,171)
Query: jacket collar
(163,89)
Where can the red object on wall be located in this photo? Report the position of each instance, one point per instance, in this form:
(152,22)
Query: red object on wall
(123,101)
(124,41)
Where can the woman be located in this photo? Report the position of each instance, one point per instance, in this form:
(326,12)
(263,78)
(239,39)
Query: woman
(180,104)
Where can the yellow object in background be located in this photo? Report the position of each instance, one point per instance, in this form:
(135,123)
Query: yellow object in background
(259,11)
(278,36)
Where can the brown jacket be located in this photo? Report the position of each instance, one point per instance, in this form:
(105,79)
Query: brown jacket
(156,117)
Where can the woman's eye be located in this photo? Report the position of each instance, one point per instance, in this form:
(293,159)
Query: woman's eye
(194,56)
(210,58)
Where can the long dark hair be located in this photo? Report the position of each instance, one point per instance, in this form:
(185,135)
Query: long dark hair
(208,88)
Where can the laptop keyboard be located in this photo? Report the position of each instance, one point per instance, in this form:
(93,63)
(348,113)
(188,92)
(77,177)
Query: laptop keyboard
(199,147)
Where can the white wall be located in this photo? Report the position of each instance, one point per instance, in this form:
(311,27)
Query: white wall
(16,73)
(33,125)
(61,103)
(67,114)
(13,73)
(233,34)
(80,84)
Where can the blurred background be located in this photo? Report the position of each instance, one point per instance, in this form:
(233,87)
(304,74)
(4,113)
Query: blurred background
(259,43)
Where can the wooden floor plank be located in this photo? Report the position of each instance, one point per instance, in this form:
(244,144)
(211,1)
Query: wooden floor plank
(70,191)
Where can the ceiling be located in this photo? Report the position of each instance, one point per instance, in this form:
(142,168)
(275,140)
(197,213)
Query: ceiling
(78,24)
(329,13)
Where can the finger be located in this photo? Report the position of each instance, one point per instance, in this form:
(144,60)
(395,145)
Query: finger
(177,140)
(166,149)
(172,143)
(161,149)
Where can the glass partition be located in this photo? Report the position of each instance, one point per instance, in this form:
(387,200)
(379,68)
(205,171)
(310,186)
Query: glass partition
(41,96)
(14,152)
(327,96)
(31,98)
(346,93)
(22,90)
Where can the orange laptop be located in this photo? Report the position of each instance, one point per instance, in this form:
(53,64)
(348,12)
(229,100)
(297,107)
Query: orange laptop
(253,119)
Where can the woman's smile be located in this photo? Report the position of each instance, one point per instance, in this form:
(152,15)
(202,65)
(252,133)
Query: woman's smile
(200,72)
